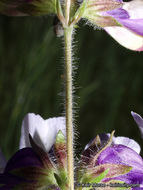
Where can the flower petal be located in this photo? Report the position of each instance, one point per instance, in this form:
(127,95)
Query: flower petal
(25,157)
(139,121)
(133,177)
(118,140)
(42,131)
(126,38)
(130,33)
(120,154)
(8,181)
(127,142)
(2,162)
(134,25)
(134,9)
(123,17)
(117,13)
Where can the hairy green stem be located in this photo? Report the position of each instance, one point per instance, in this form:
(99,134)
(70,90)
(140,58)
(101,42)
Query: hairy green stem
(69,104)
(67,11)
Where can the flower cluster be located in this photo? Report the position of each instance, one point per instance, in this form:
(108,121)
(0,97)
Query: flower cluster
(122,20)
(41,162)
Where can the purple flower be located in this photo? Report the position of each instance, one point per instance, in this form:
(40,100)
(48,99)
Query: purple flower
(30,166)
(41,161)
(122,155)
(114,159)
(122,20)
(42,131)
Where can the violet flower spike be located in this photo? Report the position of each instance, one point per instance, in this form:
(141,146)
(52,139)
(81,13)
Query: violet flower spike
(119,155)
(122,20)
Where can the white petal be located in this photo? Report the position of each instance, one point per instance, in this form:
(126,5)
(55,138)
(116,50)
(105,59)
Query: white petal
(43,131)
(134,8)
(127,142)
(2,162)
(139,121)
(117,140)
(126,37)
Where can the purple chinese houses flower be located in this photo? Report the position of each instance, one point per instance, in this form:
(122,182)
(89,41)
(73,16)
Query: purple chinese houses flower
(122,20)
(31,167)
(41,162)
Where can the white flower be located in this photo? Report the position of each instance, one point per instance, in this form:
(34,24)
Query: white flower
(42,131)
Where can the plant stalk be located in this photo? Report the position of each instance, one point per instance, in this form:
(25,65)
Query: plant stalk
(67,11)
(69,104)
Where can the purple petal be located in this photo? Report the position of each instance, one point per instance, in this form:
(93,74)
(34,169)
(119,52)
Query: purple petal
(138,188)
(42,131)
(139,121)
(9,181)
(122,16)
(123,141)
(118,13)
(120,1)
(23,158)
(6,187)
(135,25)
(133,177)
(127,142)
(130,16)
(120,154)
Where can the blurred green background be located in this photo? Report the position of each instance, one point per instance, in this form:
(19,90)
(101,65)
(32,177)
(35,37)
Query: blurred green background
(109,80)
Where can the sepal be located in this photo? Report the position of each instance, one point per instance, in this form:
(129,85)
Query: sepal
(60,151)
(95,12)
(94,149)
(101,172)
(102,6)
(61,160)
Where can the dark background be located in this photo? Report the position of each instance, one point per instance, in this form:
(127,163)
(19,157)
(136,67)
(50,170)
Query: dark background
(109,80)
